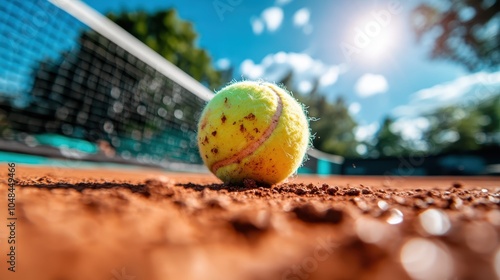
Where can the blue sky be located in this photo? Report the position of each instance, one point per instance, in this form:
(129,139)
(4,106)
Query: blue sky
(362,50)
(19,52)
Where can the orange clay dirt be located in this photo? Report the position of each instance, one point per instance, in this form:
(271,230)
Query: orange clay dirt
(147,224)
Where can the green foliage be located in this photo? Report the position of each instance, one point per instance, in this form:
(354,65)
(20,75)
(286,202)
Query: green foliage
(174,39)
(389,142)
(490,121)
(334,127)
(452,129)
(467,127)
(331,122)
(464,31)
(464,128)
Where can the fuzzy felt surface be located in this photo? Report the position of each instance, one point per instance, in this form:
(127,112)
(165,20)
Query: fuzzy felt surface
(253,130)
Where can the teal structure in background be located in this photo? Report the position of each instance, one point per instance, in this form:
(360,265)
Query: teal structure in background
(321,163)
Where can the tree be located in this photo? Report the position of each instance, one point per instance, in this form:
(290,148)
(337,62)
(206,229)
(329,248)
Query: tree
(388,142)
(452,129)
(331,122)
(174,39)
(489,111)
(334,127)
(465,31)
(464,128)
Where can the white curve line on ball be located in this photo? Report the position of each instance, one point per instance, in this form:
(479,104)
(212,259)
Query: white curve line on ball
(252,147)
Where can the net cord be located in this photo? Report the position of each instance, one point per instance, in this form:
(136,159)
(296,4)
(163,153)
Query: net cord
(122,38)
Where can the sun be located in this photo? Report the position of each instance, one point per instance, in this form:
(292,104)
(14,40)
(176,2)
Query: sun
(380,45)
(372,39)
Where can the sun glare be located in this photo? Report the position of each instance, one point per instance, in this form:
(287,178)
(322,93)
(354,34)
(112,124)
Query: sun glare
(380,46)
(372,38)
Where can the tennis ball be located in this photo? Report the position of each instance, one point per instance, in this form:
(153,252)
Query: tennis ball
(253,130)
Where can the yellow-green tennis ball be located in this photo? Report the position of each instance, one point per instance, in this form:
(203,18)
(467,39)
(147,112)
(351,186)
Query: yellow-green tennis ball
(253,130)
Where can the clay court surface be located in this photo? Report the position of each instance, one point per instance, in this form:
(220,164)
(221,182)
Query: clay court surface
(149,224)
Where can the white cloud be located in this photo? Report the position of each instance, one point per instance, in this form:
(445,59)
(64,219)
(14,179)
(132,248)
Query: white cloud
(306,70)
(354,108)
(454,90)
(330,76)
(257,25)
(305,86)
(410,128)
(270,20)
(301,20)
(371,84)
(273,17)
(366,132)
(473,87)
(301,17)
(282,2)
(223,63)
(410,120)
(251,70)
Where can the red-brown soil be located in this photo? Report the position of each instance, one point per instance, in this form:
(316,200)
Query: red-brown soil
(148,224)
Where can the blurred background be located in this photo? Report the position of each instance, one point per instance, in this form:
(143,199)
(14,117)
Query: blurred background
(392,87)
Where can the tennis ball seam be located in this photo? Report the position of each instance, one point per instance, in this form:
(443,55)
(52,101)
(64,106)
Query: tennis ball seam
(252,147)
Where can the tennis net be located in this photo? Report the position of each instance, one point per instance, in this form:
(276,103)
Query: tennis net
(74,84)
